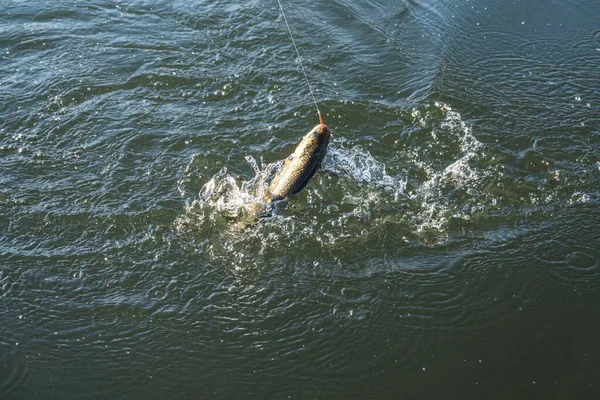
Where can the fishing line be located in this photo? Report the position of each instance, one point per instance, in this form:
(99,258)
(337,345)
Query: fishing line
(301,63)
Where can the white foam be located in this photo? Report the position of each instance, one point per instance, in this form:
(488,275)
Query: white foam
(359,165)
(437,207)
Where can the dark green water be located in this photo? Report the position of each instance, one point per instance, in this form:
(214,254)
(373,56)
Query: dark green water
(449,249)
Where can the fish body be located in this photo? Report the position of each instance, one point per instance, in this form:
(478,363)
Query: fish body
(301,165)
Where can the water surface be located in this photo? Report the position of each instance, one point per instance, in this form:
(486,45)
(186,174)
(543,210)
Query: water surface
(449,247)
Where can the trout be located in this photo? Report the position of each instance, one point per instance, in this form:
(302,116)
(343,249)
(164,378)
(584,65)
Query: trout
(301,165)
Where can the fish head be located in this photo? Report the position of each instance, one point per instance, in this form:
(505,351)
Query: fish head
(321,133)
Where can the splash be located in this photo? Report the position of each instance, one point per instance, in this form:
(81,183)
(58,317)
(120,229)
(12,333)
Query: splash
(235,199)
(463,177)
(354,201)
(358,165)
(222,215)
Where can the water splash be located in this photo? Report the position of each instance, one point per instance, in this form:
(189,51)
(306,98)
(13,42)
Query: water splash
(350,188)
(234,198)
(454,190)
(358,165)
(444,180)
(354,196)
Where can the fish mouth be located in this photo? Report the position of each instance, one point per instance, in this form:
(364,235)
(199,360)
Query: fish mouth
(322,130)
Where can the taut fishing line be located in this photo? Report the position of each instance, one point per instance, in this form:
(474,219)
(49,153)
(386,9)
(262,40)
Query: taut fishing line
(300,59)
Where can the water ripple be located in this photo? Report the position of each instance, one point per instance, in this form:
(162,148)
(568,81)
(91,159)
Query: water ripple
(455,219)
(13,360)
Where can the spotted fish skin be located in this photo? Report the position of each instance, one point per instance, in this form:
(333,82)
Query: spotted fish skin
(301,165)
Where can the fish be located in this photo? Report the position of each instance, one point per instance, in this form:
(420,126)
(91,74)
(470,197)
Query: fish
(301,165)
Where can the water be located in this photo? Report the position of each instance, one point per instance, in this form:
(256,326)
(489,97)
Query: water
(449,247)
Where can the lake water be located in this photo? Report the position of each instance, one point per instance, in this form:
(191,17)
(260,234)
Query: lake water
(449,248)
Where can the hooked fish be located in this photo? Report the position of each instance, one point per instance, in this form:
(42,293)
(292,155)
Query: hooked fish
(300,166)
